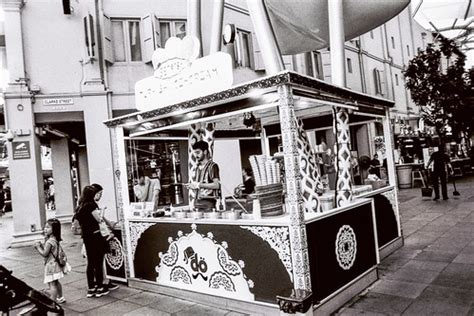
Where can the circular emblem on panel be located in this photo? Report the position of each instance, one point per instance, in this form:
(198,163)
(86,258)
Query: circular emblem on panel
(114,257)
(346,247)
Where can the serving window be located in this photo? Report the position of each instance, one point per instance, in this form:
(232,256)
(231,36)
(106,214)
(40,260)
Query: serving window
(251,139)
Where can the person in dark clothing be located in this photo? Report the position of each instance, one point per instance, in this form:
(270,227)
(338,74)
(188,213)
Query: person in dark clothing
(248,186)
(2,199)
(249,183)
(99,190)
(440,162)
(375,162)
(88,215)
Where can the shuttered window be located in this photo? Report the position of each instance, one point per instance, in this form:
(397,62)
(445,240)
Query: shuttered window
(126,40)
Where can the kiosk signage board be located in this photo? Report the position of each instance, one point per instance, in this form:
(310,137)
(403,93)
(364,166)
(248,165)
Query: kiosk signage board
(180,76)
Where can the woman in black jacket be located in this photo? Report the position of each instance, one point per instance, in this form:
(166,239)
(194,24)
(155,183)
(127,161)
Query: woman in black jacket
(88,215)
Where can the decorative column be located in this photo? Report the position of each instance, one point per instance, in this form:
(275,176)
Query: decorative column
(119,161)
(344,179)
(208,137)
(194,135)
(294,198)
(309,171)
(340,117)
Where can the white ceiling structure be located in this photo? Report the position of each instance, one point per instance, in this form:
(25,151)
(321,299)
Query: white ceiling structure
(451,18)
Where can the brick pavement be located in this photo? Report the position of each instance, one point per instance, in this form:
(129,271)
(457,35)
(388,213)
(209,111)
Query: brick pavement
(433,273)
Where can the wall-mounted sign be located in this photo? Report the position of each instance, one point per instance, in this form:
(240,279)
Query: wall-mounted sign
(58,101)
(21,150)
(179,76)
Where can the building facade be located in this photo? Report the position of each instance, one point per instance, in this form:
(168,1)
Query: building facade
(71,68)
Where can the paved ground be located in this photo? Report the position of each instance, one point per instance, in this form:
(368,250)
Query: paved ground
(432,274)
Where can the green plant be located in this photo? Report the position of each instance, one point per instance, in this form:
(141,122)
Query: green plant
(439,84)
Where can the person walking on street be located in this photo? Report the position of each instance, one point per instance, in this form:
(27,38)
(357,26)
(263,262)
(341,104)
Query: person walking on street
(99,189)
(88,215)
(440,162)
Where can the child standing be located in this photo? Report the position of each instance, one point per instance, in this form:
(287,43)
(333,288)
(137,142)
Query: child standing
(50,250)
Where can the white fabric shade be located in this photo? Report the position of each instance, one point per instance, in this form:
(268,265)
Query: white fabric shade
(302,25)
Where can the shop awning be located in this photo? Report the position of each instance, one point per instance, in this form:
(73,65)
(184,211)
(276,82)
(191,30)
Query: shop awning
(309,94)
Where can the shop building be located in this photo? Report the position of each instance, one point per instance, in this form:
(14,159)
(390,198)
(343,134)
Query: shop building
(73,67)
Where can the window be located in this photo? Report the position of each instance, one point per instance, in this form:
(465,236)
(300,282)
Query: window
(408,50)
(396,79)
(371,34)
(393,42)
(377,81)
(126,40)
(314,65)
(172,28)
(3,63)
(242,49)
(349,65)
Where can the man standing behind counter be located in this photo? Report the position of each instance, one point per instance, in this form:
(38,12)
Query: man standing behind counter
(207,184)
(147,190)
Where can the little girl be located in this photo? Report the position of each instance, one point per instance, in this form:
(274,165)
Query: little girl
(49,250)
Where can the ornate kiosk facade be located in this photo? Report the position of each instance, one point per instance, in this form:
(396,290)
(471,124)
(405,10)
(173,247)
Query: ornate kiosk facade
(320,250)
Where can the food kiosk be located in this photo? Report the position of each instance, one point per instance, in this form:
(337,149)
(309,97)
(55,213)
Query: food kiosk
(245,261)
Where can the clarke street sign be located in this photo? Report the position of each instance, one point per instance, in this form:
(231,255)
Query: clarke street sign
(58,101)
(179,76)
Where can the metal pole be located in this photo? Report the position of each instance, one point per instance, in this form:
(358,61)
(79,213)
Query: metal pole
(216,30)
(194,21)
(336,42)
(266,37)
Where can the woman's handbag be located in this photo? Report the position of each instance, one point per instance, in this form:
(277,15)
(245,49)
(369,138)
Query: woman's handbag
(75,226)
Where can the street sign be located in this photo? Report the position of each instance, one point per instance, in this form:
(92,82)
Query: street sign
(21,150)
(58,101)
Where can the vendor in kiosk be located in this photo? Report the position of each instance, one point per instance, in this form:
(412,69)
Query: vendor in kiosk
(207,185)
(248,185)
(147,190)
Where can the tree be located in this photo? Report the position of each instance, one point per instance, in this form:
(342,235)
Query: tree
(439,84)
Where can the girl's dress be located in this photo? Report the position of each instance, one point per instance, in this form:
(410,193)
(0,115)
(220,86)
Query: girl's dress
(52,270)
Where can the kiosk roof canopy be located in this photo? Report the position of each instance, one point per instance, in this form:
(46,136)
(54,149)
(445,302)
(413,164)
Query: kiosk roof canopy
(310,96)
